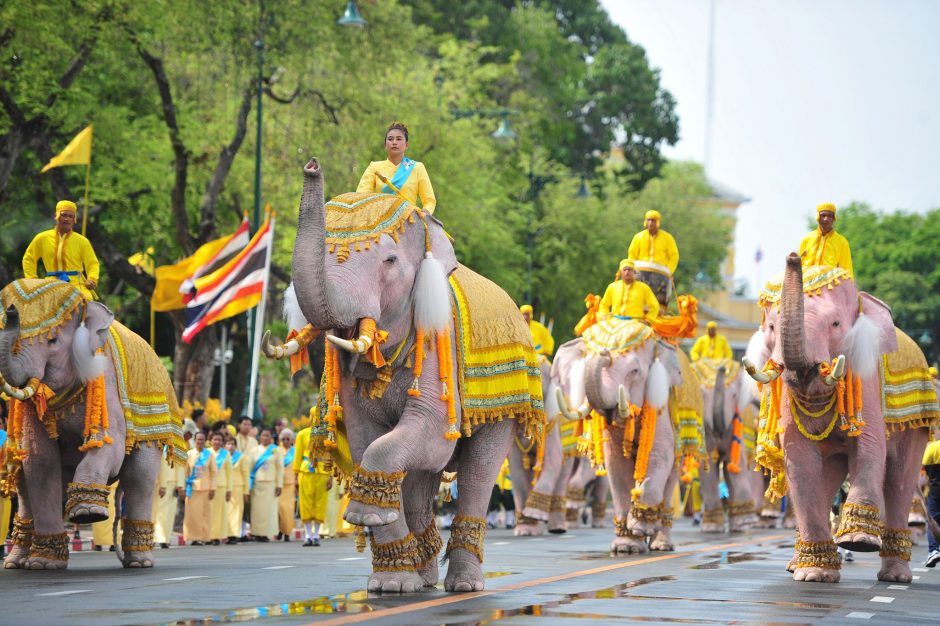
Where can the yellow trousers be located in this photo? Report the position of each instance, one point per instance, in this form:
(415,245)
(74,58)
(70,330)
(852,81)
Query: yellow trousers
(102,532)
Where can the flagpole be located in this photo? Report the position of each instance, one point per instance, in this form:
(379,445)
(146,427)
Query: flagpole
(87,184)
(259,322)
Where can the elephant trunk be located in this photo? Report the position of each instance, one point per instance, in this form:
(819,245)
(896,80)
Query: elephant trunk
(791,318)
(13,367)
(309,260)
(718,404)
(593,383)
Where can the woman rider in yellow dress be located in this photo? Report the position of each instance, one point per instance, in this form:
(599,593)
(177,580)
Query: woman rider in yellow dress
(407,175)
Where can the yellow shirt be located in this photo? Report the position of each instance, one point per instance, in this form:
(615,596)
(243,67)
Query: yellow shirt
(715,348)
(417,186)
(541,338)
(72,253)
(932,454)
(629,300)
(832,249)
(503,480)
(205,474)
(302,455)
(223,475)
(660,249)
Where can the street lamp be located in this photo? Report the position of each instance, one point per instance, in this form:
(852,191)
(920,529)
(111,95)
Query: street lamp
(351,17)
(503,133)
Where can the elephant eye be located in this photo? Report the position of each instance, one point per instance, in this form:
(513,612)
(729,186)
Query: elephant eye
(391,258)
(835,324)
(53,340)
(771,328)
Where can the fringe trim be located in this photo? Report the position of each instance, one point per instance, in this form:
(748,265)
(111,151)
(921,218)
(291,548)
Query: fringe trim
(557,505)
(429,544)
(94,494)
(467,533)
(571,515)
(642,513)
(817,554)
(540,501)
(54,547)
(741,508)
(599,508)
(138,535)
(397,556)
(896,543)
(859,518)
(713,516)
(620,527)
(379,489)
(22,533)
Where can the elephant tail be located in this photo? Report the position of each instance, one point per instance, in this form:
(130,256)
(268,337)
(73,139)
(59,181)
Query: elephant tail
(118,549)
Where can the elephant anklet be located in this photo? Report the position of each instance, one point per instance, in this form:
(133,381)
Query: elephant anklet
(648,514)
(138,535)
(599,509)
(741,508)
(88,494)
(571,515)
(859,518)
(557,504)
(381,489)
(467,533)
(620,527)
(22,533)
(665,518)
(817,554)
(713,516)
(395,556)
(54,547)
(575,496)
(429,544)
(539,501)
(896,542)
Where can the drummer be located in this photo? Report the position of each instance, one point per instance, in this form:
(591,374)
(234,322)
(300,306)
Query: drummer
(654,244)
(627,297)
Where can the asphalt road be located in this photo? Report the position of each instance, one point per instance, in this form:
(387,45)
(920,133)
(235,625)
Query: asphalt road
(567,579)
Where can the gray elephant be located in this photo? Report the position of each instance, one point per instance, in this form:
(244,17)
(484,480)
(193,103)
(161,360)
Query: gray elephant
(726,391)
(91,404)
(422,354)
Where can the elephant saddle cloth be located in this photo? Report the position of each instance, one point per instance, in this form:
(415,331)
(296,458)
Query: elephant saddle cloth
(358,220)
(146,393)
(815,279)
(707,370)
(910,398)
(616,335)
(687,408)
(499,373)
(569,438)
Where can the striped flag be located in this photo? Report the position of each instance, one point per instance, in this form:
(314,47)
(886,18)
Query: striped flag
(227,247)
(233,288)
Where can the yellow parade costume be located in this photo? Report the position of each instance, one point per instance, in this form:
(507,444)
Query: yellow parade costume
(312,481)
(164,507)
(102,533)
(73,252)
(829,249)
(197,518)
(285,501)
(236,508)
(542,339)
(715,348)
(268,478)
(218,509)
(417,186)
(245,443)
(629,300)
(6,503)
(659,248)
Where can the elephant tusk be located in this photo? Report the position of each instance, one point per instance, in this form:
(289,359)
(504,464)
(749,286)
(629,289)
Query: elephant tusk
(761,377)
(357,346)
(282,351)
(566,411)
(16,392)
(584,409)
(623,404)
(838,371)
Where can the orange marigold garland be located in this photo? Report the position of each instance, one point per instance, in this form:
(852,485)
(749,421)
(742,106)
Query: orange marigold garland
(333,378)
(598,437)
(647,436)
(95,434)
(445,367)
(737,438)
(415,390)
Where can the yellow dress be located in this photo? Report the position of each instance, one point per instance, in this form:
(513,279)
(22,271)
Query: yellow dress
(832,249)
(312,481)
(542,339)
(285,501)
(268,478)
(197,518)
(218,506)
(245,443)
(629,300)
(102,533)
(236,508)
(660,248)
(716,348)
(418,184)
(73,253)
(164,509)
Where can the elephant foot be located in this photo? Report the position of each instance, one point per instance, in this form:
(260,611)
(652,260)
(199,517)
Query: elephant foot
(767,513)
(816,575)
(894,570)
(536,514)
(85,513)
(791,566)
(137,559)
(557,524)
(859,542)
(429,573)
(766,522)
(740,523)
(359,514)
(662,542)
(711,527)
(464,572)
(598,522)
(628,545)
(17,557)
(41,562)
(396,582)
(789,523)
(528,528)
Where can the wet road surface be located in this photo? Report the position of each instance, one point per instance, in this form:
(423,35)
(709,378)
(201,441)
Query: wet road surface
(567,579)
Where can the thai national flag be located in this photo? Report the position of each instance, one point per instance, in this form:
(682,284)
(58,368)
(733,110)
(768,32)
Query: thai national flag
(236,242)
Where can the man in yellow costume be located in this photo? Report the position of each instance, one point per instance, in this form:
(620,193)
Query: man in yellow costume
(654,244)
(541,337)
(628,297)
(63,252)
(711,345)
(313,482)
(824,246)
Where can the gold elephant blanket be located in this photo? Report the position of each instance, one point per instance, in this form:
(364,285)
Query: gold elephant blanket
(499,375)
(707,371)
(687,409)
(910,399)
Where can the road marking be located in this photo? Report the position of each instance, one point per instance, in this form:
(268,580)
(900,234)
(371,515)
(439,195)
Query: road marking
(501,543)
(860,615)
(567,536)
(915,577)
(452,599)
(62,593)
(537,539)
(279,567)
(919,569)
(882,599)
(352,558)
(897,586)
(185,578)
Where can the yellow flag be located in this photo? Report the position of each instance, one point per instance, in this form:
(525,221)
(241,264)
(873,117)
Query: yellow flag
(166,295)
(78,152)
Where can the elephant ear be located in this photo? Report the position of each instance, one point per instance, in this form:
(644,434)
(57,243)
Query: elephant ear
(91,334)
(871,335)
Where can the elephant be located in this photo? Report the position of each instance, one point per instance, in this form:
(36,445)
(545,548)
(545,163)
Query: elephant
(830,354)
(627,376)
(540,473)
(91,404)
(586,487)
(726,394)
(380,277)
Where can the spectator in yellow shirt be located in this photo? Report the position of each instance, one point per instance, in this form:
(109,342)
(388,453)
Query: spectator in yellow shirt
(64,253)
(711,345)
(541,337)
(824,246)
(654,244)
(407,175)
(628,297)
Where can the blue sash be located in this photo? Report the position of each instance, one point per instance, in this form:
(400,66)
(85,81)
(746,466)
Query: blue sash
(235,456)
(289,457)
(401,174)
(259,463)
(200,462)
(3,438)
(220,457)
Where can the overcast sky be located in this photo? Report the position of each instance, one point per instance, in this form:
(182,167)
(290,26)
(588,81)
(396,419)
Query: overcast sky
(814,101)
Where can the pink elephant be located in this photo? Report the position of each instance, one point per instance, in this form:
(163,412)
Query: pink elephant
(824,340)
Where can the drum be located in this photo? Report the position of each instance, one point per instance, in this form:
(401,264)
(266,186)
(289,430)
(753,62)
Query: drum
(658,278)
